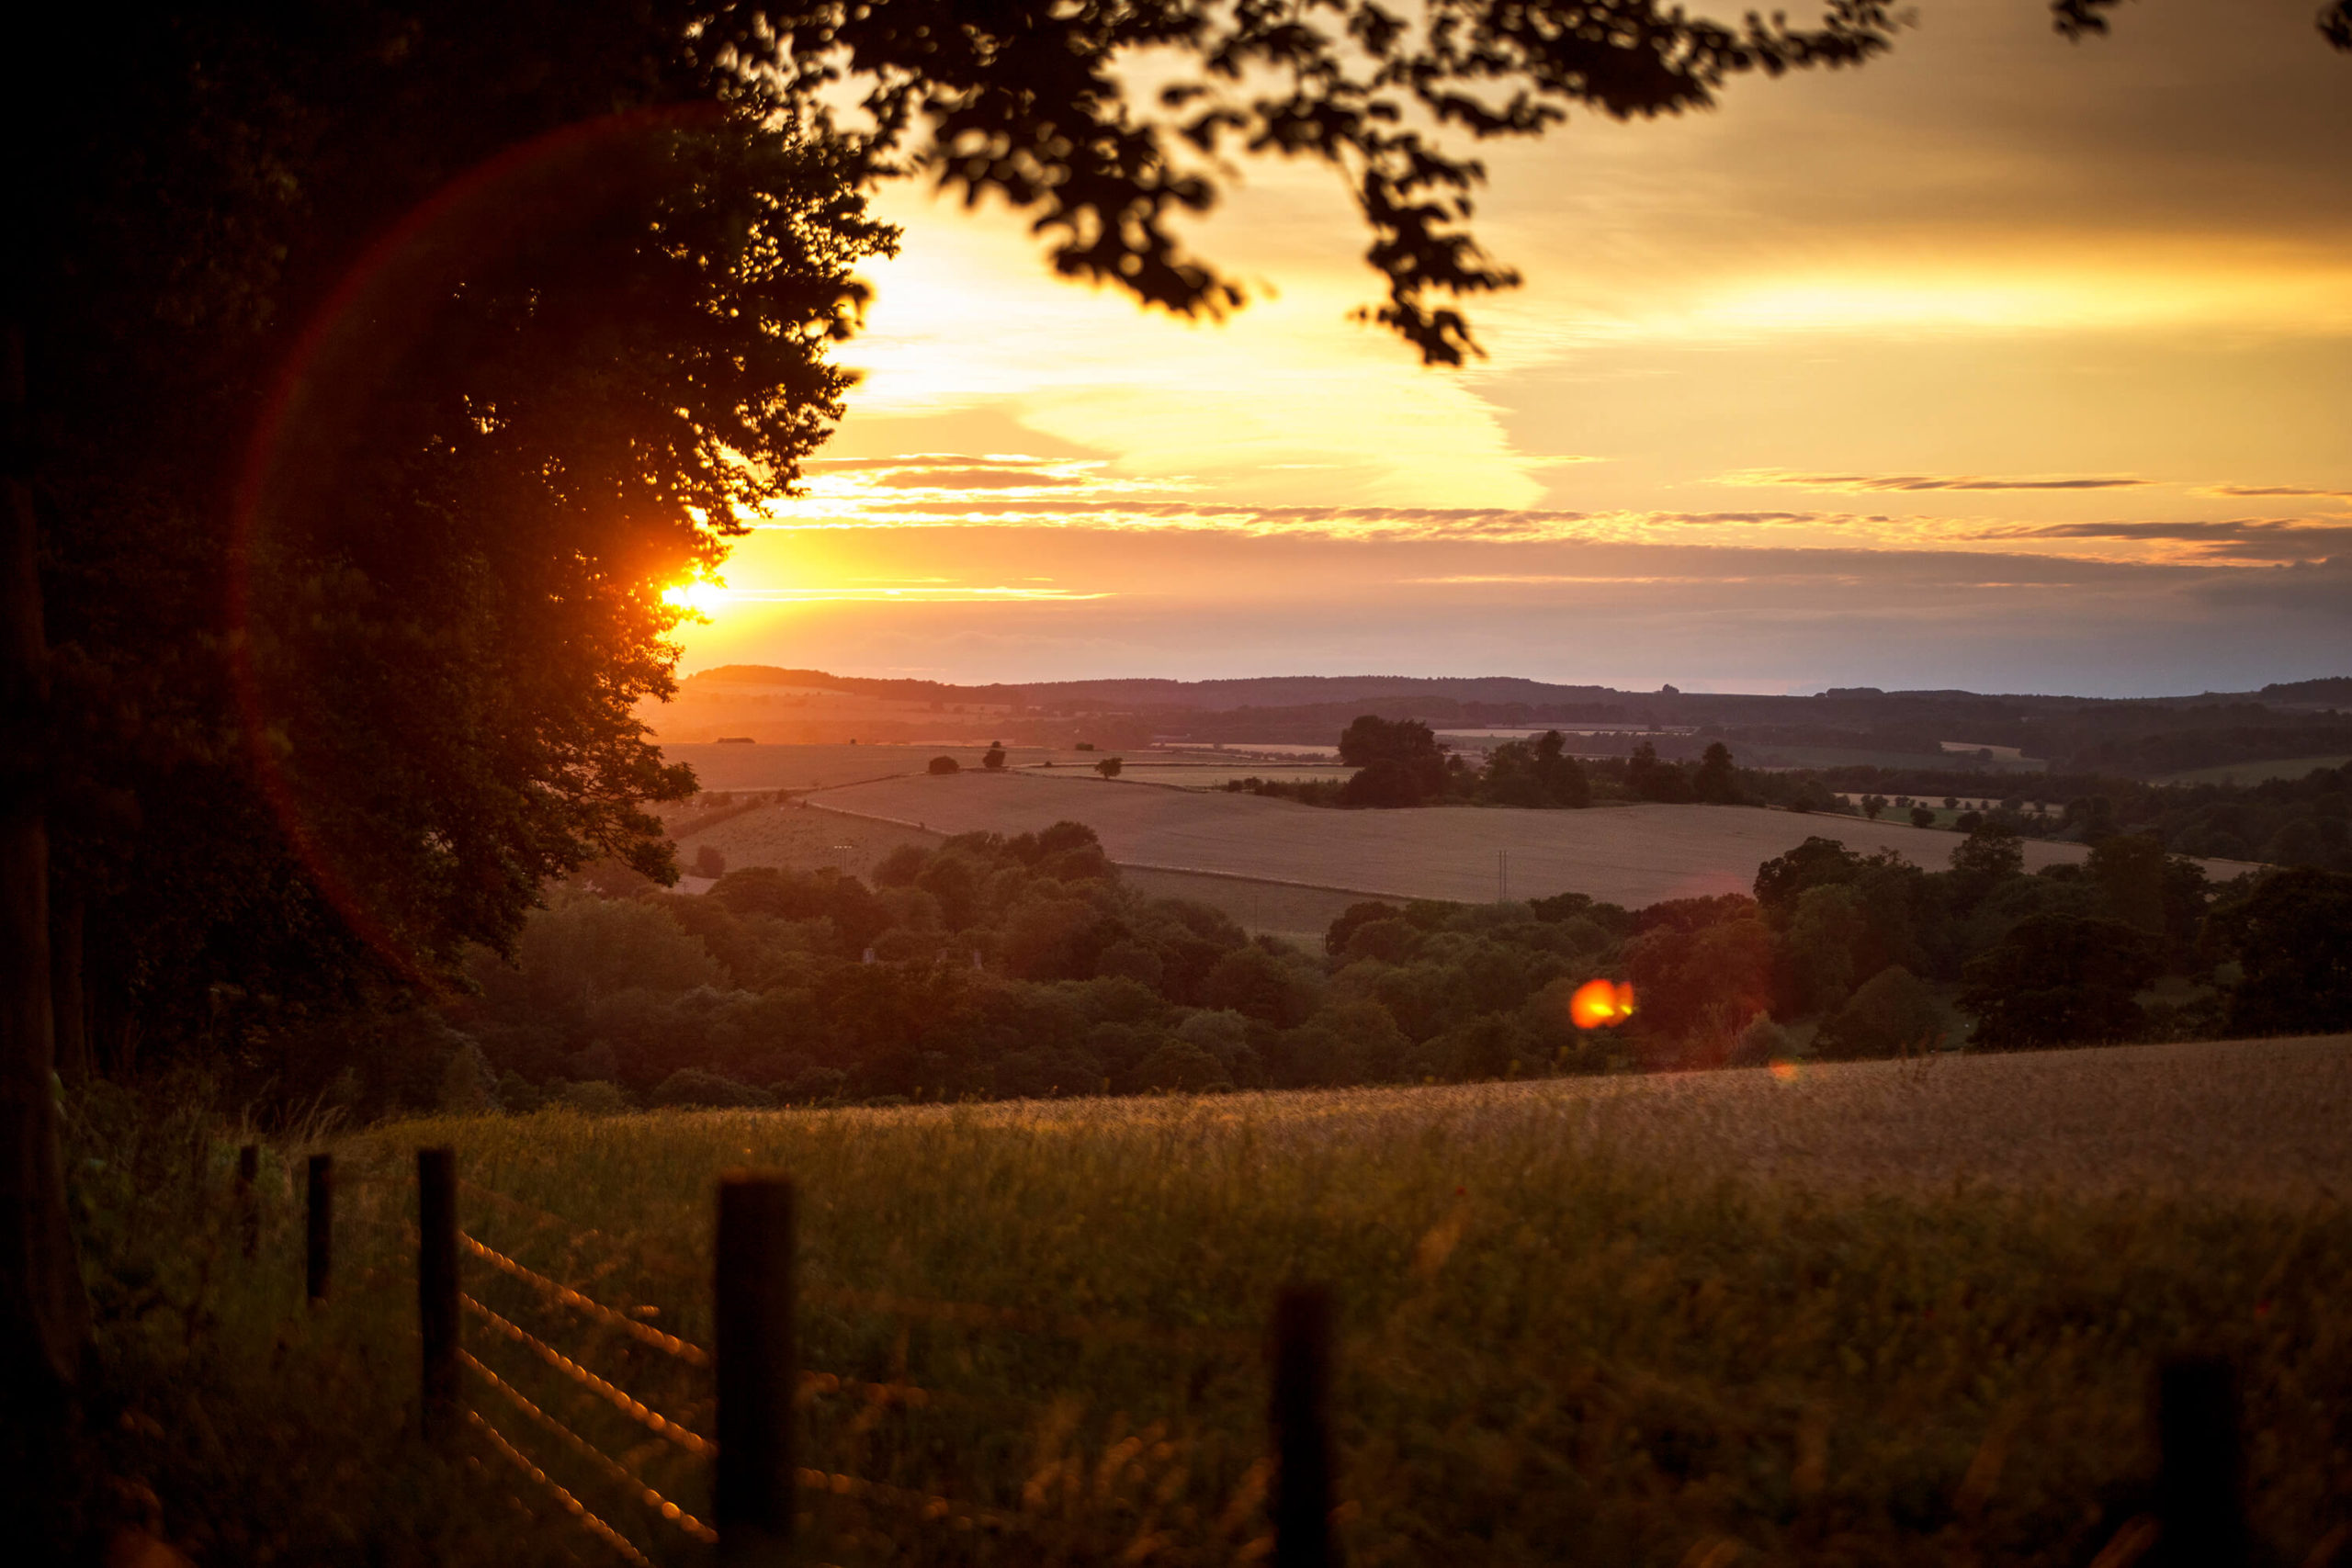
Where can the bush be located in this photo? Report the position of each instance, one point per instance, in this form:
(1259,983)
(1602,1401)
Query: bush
(694,1087)
(1892,1015)
(944,765)
(2061,980)
(1761,1043)
(710,862)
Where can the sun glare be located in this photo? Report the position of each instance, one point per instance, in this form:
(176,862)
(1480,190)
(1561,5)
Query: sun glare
(1601,1004)
(701,596)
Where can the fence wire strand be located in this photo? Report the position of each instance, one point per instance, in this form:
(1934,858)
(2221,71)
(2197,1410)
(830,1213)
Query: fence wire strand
(615,1471)
(925,1505)
(572,1506)
(644,1333)
(635,1409)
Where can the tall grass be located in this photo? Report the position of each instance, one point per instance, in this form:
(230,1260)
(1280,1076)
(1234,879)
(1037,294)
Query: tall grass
(1577,1324)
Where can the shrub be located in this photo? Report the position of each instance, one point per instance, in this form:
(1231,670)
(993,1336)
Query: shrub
(2061,980)
(1892,1015)
(1761,1044)
(944,765)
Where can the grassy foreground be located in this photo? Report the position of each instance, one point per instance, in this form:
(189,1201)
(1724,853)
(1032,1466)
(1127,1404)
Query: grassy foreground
(1684,1321)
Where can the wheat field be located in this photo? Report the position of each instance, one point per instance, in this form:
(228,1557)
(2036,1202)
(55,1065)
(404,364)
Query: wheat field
(1881,1313)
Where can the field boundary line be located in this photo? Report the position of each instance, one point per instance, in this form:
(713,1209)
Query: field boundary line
(578,1509)
(619,1474)
(635,1409)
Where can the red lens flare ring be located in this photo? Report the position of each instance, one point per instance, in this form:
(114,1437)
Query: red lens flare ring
(319,405)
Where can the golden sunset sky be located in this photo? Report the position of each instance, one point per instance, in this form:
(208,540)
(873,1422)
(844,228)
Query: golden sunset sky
(2003,363)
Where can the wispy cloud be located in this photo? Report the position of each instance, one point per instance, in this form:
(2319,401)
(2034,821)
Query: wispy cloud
(2273,491)
(1867,483)
(2235,539)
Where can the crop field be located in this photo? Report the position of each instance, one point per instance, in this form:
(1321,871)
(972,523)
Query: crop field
(811,838)
(1873,1314)
(1633,855)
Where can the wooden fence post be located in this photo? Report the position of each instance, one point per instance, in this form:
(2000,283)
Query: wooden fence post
(2200,1484)
(436,1285)
(319,1228)
(248,1201)
(1302,1432)
(757,1363)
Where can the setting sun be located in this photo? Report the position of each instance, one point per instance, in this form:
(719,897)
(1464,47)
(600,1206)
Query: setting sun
(701,597)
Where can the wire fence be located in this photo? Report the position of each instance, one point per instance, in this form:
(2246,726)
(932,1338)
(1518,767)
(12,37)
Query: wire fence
(666,1449)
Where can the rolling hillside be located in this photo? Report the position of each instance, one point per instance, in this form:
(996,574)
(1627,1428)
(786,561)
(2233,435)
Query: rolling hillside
(1632,856)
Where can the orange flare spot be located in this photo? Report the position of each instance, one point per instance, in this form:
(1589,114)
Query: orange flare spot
(1601,1004)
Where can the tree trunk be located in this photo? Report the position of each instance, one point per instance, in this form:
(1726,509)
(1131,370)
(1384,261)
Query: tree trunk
(44,1315)
(68,1006)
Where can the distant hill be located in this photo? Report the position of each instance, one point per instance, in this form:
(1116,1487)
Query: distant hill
(1948,728)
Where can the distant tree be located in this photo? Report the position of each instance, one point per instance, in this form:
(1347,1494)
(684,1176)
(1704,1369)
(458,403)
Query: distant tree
(2292,934)
(1923,817)
(1397,762)
(1652,779)
(2129,871)
(1893,1014)
(1969,821)
(1873,804)
(1991,853)
(944,765)
(1717,782)
(993,758)
(709,861)
(1533,773)
(1108,767)
(1335,940)
(1817,863)
(2061,980)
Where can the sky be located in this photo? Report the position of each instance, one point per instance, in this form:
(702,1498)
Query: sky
(2002,363)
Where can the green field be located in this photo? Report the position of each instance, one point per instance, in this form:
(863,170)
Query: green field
(1878,1314)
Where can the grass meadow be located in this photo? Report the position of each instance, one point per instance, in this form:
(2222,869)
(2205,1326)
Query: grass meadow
(1884,1312)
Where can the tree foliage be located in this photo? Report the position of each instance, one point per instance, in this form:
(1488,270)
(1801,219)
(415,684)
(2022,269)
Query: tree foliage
(381,377)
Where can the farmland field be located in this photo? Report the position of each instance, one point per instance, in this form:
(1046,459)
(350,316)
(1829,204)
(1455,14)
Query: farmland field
(1632,856)
(1876,1313)
(800,839)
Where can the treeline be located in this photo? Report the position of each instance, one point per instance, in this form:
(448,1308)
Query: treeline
(1400,763)
(1024,967)
(2286,822)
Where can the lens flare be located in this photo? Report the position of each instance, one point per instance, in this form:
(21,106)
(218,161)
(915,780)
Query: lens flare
(700,597)
(1601,1004)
